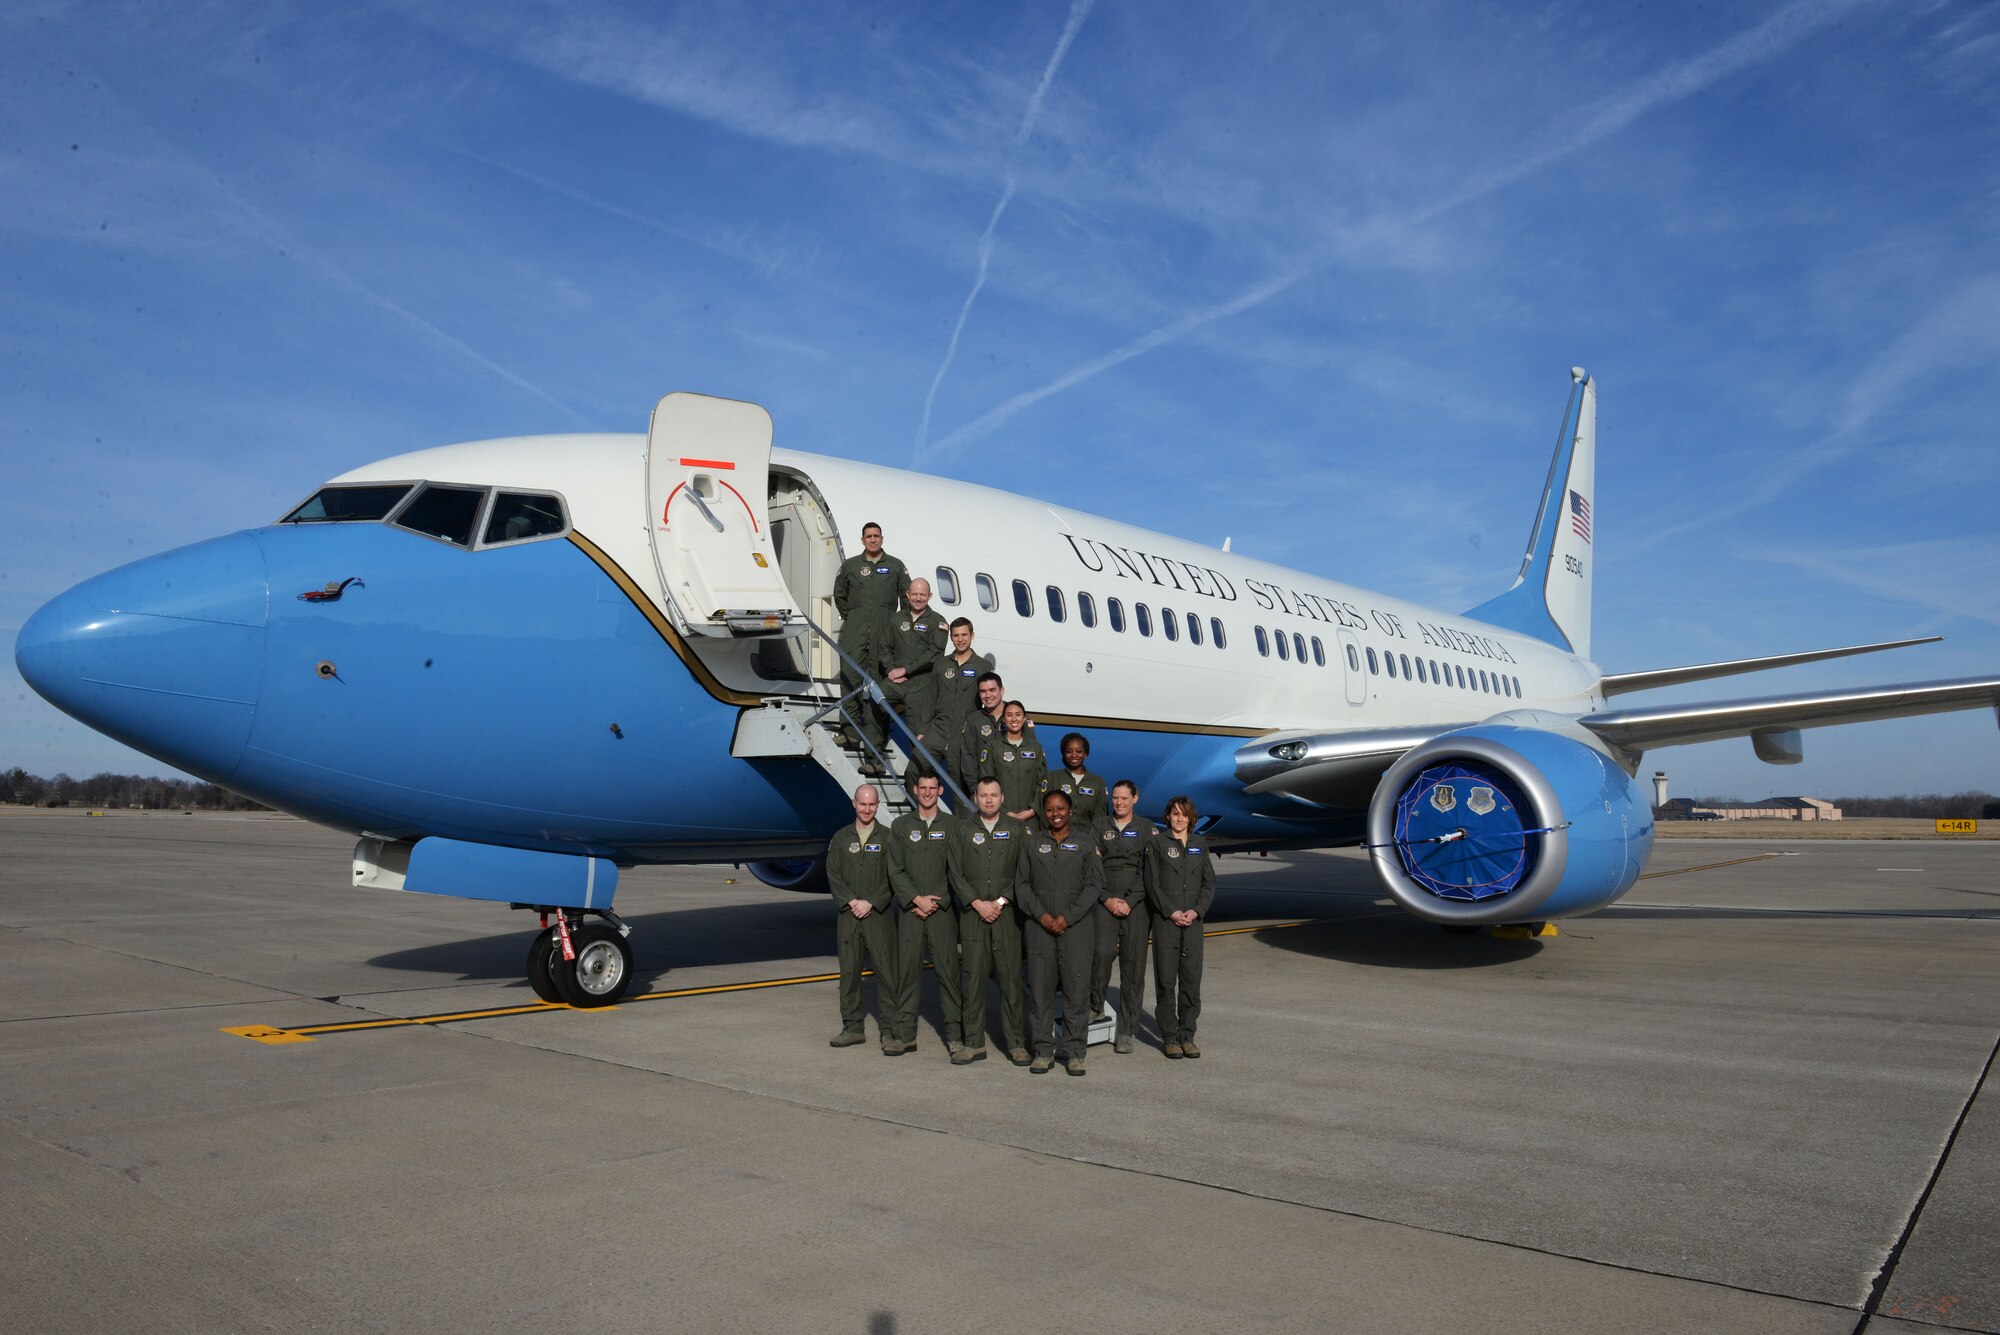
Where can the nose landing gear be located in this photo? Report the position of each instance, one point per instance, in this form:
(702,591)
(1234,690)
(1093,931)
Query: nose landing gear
(572,964)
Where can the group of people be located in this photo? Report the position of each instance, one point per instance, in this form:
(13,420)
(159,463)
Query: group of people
(1052,870)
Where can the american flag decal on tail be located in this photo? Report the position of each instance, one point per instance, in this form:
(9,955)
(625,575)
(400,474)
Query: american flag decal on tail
(1579,516)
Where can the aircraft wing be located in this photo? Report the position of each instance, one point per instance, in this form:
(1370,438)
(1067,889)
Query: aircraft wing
(1766,718)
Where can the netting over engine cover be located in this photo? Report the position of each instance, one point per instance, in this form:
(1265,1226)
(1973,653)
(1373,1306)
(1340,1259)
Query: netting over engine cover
(1497,850)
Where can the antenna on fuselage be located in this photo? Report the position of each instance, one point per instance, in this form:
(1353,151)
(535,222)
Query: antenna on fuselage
(1225,544)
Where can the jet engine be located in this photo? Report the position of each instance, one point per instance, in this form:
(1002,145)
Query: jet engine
(1501,823)
(808,877)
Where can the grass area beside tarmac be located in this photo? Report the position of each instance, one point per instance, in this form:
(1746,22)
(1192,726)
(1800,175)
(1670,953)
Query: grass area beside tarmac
(1865,827)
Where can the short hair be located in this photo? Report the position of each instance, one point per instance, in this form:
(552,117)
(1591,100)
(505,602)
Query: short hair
(1182,803)
(1126,783)
(1055,795)
(1069,737)
(985,779)
(956,622)
(925,772)
(870,524)
(993,677)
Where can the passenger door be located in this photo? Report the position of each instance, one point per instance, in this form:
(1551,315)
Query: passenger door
(708,464)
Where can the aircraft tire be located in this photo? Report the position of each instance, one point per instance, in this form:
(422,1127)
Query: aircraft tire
(543,954)
(601,971)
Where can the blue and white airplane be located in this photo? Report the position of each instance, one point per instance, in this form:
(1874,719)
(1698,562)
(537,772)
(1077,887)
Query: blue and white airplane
(512,667)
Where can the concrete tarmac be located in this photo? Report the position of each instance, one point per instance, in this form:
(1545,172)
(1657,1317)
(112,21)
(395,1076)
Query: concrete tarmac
(1754,1095)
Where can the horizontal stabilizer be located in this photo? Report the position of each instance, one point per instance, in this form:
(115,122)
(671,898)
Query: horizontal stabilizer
(1618,683)
(1639,730)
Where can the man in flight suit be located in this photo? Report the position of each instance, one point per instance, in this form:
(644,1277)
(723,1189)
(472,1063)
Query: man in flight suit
(867,593)
(978,728)
(920,872)
(984,852)
(914,643)
(1015,758)
(954,693)
(1058,884)
(1085,790)
(1123,919)
(857,868)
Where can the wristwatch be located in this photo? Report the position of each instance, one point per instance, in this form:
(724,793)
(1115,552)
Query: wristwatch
(1002,901)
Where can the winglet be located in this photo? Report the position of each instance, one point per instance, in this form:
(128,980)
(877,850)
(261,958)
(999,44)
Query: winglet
(1550,599)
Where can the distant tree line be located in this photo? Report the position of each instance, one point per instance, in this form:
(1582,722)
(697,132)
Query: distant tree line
(119,790)
(1920,806)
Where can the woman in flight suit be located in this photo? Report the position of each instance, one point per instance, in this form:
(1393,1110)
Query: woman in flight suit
(1180,885)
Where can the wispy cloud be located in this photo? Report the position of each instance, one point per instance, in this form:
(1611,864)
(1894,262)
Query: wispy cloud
(1079,10)
(1764,42)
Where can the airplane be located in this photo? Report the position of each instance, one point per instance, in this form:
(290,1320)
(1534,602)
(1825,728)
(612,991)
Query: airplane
(513,667)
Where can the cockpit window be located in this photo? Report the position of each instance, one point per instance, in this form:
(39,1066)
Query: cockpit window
(349,505)
(520,515)
(445,513)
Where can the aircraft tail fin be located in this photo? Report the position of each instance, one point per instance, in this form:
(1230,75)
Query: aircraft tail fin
(1550,599)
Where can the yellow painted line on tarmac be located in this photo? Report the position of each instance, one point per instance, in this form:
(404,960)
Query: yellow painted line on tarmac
(1709,866)
(264,1033)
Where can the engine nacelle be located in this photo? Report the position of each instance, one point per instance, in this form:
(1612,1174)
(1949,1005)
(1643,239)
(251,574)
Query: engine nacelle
(1505,823)
(808,877)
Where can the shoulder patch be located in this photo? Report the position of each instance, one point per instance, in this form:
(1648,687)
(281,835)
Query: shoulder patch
(979,836)
(1046,848)
(854,846)
(1109,835)
(916,836)
(1173,850)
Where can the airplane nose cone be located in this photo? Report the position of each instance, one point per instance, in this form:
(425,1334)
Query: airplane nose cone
(165,654)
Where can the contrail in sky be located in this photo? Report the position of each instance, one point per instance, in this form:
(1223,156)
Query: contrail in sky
(1773,37)
(1078,11)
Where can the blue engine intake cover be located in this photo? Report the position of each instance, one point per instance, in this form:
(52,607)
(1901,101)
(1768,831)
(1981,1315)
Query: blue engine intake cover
(1551,825)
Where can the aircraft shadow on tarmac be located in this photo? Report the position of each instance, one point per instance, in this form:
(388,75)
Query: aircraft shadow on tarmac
(1391,939)
(788,928)
(793,928)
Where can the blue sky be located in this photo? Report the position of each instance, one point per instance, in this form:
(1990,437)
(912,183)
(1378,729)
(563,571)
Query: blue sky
(1309,278)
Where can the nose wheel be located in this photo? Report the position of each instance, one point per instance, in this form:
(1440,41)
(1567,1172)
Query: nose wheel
(595,971)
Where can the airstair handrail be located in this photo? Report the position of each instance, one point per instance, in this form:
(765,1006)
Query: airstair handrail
(959,800)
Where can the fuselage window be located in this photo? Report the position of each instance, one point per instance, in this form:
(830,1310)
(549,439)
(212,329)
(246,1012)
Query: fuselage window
(1116,611)
(1144,616)
(1086,609)
(444,513)
(1517,688)
(1171,627)
(1353,660)
(1373,670)
(1221,640)
(1194,628)
(1024,598)
(1284,650)
(1263,642)
(349,505)
(1299,648)
(1461,678)
(1434,671)
(1484,685)
(1420,671)
(1319,653)
(1406,664)
(989,592)
(518,516)
(947,586)
(1389,663)
(1056,609)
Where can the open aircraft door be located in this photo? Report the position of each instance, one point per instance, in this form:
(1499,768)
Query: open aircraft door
(708,465)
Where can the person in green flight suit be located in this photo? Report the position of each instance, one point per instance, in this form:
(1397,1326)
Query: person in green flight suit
(1015,758)
(920,873)
(868,593)
(1180,886)
(954,693)
(1085,790)
(976,728)
(857,870)
(912,646)
(1058,883)
(1124,920)
(985,850)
